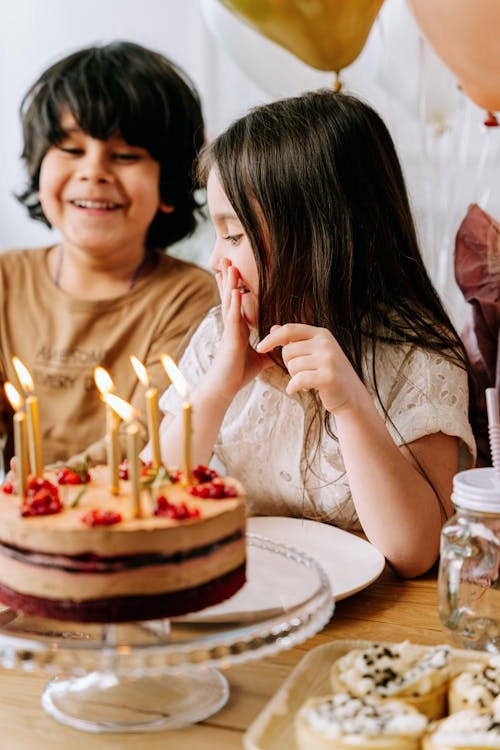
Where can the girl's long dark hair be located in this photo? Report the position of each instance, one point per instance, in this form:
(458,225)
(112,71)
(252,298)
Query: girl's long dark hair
(317,185)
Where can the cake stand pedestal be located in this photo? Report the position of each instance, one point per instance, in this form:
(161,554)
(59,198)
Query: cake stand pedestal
(105,702)
(164,674)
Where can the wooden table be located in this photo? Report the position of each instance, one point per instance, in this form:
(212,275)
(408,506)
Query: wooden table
(390,609)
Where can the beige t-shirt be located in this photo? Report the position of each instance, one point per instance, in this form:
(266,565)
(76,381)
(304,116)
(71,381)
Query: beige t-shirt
(61,340)
(262,437)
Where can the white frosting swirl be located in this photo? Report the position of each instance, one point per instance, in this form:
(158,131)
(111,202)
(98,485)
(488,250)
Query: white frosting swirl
(390,670)
(341,714)
(469,729)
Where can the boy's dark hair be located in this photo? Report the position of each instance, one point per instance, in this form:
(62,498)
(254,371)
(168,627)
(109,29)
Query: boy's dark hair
(124,87)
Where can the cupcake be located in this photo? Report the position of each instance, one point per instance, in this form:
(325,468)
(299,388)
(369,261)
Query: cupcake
(342,722)
(417,675)
(464,730)
(476,686)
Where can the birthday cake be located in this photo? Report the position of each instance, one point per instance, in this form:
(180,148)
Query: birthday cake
(74,551)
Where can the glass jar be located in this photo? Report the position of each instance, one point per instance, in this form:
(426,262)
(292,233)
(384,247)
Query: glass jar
(469,568)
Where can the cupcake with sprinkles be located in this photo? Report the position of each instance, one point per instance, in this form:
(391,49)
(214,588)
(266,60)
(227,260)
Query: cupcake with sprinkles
(464,730)
(477,686)
(342,721)
(415,674)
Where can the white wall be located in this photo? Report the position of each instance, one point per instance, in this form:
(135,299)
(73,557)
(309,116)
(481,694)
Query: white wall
(396,72)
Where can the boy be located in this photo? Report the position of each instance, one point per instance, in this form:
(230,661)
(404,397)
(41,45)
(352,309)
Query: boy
(111,136)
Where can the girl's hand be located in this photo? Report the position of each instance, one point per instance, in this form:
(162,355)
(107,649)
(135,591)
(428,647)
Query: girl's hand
(314,360)
(236,362)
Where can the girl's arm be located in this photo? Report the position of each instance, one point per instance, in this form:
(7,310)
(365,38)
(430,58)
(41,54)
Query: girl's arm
(396,503)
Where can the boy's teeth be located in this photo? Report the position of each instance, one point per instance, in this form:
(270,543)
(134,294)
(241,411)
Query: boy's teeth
(93,204)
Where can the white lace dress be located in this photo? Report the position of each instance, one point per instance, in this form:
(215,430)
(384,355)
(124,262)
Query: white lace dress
(262,437)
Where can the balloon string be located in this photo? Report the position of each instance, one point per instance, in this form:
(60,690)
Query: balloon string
(337,83)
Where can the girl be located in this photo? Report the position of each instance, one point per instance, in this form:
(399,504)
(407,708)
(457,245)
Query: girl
(330,380)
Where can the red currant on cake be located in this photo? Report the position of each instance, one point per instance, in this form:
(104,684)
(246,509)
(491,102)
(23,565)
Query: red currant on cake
(73,474)
(204,474)
(42,498)
(97,517)
(177,511)
(123,469)
(214,490)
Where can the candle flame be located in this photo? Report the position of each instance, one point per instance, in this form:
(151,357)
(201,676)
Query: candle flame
(178,380)
(103,380)
(140,370)
(23,374)
(124,410)
(13,395)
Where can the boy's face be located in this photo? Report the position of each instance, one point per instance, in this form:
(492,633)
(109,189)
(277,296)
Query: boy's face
(101,195)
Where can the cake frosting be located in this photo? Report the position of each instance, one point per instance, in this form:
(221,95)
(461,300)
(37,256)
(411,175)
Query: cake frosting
(466,729)
(90,558)
(418,675)
(476,686)
(343,720)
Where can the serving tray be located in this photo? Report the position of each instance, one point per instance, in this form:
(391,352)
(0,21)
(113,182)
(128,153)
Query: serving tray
(273,728)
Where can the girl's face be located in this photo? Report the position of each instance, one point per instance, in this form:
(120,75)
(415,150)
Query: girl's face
(101,195)
(233,244)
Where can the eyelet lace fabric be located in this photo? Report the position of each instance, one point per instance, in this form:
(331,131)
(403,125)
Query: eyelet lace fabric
(261,441)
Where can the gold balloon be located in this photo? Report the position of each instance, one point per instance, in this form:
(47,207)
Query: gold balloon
(325,34)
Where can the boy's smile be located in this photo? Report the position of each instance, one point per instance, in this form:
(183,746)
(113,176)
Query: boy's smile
(93,205)
(101,195)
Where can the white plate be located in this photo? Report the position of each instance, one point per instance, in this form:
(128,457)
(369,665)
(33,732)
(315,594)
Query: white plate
(350,563)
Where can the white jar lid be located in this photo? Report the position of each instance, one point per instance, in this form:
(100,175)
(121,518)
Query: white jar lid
(477,489)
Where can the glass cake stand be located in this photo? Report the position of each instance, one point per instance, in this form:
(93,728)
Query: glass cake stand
(162,674)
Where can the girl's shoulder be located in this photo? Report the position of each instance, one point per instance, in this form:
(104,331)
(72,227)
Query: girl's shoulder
(203,344)
(212,325)
(409,362)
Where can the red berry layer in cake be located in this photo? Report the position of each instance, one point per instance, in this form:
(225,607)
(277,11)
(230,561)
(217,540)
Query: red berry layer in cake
(77,552)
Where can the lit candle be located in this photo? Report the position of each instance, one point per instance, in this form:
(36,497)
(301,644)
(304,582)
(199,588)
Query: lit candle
(105,385)
(151,409)
(180,384)
(127,412)
(33,418)
(20,437)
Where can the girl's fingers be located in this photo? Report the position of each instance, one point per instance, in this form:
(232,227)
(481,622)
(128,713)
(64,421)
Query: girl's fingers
(229,282)
(297,364)
(282,335)
(305,380)
(234,311)
(296,349)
